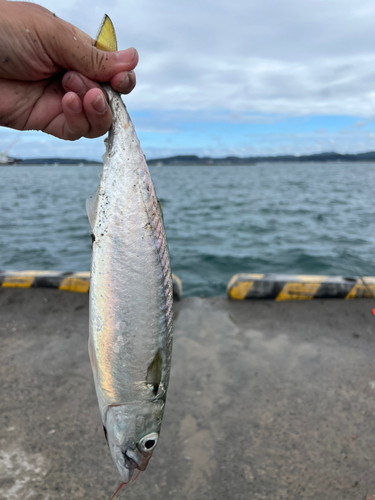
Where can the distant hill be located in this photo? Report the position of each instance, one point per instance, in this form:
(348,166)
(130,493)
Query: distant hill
(53,161)
(206,160)
(235,160)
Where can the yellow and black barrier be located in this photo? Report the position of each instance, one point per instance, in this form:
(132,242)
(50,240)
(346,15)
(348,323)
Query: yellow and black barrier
(282,287)
(71,282)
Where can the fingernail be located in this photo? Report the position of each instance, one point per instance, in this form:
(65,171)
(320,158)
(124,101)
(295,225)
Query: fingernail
(75,84)
(126,56)
(99,104)
(124,82)
(74,104)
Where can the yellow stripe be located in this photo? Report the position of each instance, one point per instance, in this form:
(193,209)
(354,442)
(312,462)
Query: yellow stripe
(242,277)
(240,290)
(298,291)
(361,291)
(78,282)
(240,284)
(23,279)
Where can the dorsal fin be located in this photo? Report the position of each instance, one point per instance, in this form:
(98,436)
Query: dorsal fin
(106,37)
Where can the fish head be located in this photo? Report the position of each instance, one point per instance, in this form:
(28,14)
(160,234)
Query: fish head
(132,432)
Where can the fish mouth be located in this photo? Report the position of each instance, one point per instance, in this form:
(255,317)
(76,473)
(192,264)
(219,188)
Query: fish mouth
(139,459)
(125,466)
(126,472)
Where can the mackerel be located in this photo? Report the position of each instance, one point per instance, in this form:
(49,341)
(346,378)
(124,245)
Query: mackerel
(130,332)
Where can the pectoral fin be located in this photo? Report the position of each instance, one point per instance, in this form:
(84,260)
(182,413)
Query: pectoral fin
(92,207)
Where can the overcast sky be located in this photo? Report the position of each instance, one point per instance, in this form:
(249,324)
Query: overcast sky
(243,77)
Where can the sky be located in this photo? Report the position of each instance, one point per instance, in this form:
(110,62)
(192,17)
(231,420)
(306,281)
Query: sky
(242,77)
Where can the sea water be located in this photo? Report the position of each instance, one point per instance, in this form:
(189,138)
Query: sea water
(293,218)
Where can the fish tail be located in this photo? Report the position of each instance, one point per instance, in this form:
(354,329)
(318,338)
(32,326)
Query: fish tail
(106,37)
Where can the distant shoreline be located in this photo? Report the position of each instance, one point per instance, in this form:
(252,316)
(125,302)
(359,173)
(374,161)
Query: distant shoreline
(191,160)
(252,160)
(49,161)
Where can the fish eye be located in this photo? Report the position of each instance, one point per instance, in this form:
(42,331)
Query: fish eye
(148,443)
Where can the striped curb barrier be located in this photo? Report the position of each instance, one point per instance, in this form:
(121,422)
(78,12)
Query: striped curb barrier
(177,287)
(281,287)
(71,282)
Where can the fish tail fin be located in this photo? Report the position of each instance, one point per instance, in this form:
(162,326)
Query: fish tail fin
(106,37)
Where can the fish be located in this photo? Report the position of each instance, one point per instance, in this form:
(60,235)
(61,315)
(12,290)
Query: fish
(130,296)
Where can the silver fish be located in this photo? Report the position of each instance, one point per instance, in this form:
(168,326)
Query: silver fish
(130,341)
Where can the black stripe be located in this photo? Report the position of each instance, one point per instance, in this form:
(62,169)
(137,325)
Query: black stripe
(2,276)
(52,281)
(177,292)
(334,290)
(265,289)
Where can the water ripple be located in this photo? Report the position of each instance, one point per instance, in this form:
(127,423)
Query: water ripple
(267,218)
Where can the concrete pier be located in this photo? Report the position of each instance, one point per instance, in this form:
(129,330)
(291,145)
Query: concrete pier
(267,400)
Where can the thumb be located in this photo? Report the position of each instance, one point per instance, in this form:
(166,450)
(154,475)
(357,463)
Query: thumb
(72,49)
(40,44)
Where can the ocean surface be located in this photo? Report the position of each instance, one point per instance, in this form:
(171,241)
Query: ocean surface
(314,218)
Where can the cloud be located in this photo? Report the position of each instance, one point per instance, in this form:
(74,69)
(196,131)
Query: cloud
(249,62)
(296,57)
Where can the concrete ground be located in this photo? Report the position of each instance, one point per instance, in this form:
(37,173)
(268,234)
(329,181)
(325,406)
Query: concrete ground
(267,400)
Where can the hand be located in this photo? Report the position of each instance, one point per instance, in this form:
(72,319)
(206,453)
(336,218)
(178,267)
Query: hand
(49,71)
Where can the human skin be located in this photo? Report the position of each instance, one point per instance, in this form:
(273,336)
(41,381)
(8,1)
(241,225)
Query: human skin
(49,74)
